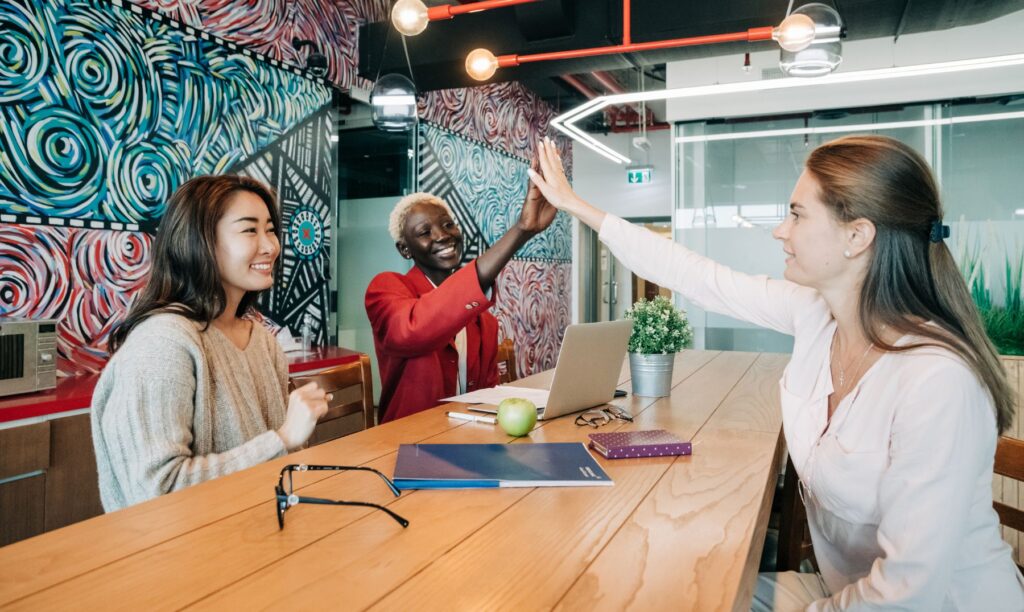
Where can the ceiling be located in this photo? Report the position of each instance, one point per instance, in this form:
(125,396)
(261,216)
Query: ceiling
(438,54)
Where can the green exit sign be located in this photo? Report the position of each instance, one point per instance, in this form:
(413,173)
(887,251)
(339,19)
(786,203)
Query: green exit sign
(636,176)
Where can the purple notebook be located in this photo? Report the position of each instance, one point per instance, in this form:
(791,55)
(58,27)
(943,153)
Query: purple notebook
(652,443)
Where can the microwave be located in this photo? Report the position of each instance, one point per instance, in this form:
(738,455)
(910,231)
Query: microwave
(28,355)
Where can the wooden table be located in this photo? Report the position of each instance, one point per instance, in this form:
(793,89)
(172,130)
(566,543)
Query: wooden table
(673,533)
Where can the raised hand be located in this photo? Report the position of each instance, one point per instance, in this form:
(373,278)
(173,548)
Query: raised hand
(556,189)
(551,180)
(537,213)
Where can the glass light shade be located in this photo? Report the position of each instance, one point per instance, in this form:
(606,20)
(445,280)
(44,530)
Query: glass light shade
(409,17)
(817,60)
(481,64)
(824,54)
(393,103)
(795,32)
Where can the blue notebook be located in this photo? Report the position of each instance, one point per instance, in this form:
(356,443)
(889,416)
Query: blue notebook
(474,466)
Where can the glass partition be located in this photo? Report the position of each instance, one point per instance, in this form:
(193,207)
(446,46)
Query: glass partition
(734,178)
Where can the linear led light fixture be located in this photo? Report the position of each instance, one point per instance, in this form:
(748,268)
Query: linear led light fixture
(566,122)
(832,129)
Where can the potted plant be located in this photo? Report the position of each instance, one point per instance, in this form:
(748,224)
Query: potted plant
(660,330)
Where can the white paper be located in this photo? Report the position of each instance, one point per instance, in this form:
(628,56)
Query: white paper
(494,395)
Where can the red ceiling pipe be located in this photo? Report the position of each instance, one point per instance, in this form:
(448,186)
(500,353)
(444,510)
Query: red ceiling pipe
(751,35)
(447,11)
(580,86)
(627,37)
(619,129)
(608,81)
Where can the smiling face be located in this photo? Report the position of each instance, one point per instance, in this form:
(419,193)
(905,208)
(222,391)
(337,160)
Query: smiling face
(432,240)
(812,239)
(247,246)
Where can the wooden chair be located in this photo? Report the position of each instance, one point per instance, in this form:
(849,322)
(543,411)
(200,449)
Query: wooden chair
(794,535)
(507,361)
(351,407)
(1010,463)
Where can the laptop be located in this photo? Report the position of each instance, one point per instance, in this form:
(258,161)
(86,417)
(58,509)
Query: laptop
(587,370)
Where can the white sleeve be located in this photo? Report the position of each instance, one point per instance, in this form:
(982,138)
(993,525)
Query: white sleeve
(942,445)
(757,299)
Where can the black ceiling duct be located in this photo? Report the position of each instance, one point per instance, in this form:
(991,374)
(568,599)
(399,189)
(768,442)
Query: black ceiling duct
(547,19)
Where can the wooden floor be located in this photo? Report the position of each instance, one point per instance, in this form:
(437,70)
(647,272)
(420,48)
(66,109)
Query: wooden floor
(673,533)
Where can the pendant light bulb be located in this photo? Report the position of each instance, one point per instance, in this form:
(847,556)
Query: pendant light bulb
(795,33)
(481,64)
(409,17)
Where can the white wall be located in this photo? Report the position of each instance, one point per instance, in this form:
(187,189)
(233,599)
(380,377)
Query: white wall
(364,249)
(603,182)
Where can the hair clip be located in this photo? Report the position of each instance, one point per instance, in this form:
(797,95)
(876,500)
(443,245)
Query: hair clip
(939,231)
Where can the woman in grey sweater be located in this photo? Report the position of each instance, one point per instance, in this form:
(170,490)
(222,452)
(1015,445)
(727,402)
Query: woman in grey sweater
(194,390)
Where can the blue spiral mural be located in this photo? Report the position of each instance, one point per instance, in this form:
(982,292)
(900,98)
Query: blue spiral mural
(486,187)
(104,112)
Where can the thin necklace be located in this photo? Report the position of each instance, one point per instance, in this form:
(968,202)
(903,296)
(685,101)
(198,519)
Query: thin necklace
(839,362)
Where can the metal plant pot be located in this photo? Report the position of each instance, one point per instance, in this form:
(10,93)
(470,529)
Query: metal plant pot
(651,374)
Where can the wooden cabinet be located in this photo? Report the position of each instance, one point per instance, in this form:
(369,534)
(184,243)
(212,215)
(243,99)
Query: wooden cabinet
(24,458)
(47,477)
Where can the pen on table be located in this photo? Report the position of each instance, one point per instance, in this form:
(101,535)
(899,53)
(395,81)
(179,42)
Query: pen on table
(471,417)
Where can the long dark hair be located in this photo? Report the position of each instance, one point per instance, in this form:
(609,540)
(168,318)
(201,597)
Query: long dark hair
(184,278)
(911,280)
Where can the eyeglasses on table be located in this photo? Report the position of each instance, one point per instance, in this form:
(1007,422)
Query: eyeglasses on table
(286,498)
(603,416)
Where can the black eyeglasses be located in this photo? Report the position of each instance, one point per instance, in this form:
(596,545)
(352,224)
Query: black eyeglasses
(603,416)
(288,499)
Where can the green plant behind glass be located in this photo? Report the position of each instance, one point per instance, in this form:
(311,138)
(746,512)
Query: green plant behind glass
(658,327)
(1004,324)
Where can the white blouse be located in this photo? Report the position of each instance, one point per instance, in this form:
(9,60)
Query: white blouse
(899,489)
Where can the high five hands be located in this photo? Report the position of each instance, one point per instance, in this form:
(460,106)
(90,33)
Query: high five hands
(537,213)
(555,188)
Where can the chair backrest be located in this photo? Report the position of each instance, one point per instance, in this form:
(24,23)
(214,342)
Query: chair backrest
(351,387)
(507,361)
(1010,463)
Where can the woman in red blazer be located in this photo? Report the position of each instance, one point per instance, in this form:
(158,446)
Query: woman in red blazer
(421,319)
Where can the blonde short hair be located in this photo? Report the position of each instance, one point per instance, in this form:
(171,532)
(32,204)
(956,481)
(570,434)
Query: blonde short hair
(396,223)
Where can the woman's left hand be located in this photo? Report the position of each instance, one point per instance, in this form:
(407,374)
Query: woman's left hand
(537,212)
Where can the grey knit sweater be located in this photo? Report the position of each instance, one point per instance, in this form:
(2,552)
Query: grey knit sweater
(176,406)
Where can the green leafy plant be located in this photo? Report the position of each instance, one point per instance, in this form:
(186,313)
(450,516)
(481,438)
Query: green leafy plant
(658,327)
(1004,323)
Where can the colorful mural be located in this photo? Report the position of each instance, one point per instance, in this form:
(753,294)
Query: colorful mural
(533,308)
(104,111)
(269,26)
(506,116)
(485,188)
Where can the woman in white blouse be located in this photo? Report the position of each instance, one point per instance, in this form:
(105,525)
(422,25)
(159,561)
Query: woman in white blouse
(894,396)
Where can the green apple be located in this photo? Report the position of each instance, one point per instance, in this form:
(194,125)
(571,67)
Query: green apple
(517,416)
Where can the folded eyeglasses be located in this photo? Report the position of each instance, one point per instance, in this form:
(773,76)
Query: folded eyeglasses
(286,498)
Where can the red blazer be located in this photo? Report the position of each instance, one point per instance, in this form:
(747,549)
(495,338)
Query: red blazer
(414,328)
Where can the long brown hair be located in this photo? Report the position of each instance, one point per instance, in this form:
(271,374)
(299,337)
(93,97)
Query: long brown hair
(911,279)
(184,278)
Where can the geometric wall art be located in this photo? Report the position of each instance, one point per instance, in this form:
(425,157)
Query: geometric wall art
(298,166)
